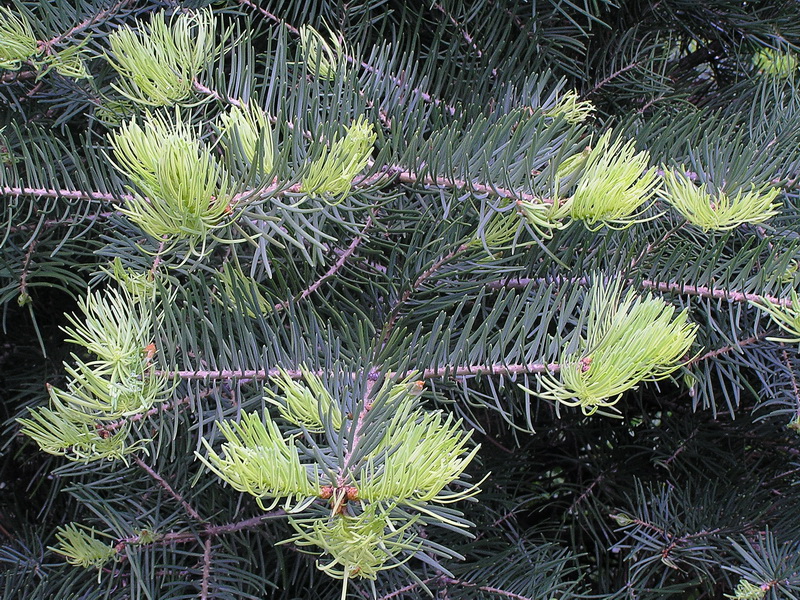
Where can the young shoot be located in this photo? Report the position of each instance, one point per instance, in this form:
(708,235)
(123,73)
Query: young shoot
(158,63)
(81,548)
(421,453)
(785,317)
(17,42)
(322,59)
(358,546)
(572,108)
(183,190)
(717,211)
(615,185)
(628,341)
(258,460)
(331,175)
(245,131)
(307,406)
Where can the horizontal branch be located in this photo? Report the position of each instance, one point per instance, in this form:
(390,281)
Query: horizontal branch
(68,194)
(210,531)
(433,373)
(647,284)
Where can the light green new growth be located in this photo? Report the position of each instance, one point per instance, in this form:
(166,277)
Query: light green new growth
(184,189)
(614,183)
(113,328)
(259,461)
(245,130)
(775,63)
(747,591)
(719,212)
(17,42)
(81,548)
(322,59)
(423,454)
(307,406)
(786,317)
(139,286)
(331,175)
(627,342)
(64,431)
(118,331)
(158,63)
(68,62)
(359,546)
(572,108)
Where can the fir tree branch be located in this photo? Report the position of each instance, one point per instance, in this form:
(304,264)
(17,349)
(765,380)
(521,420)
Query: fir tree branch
(730,348)
(209,531)
(206,569)
(647,284)
(23,279)
(333,270)
(96,18)
(394,313)
(445,371)
(484,588)
(461,29)
(58,222)
(66,194)
(163,483)
(613,76)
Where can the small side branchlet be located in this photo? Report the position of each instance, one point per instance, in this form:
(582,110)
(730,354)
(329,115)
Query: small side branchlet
(628,341)
(331,175)
(717,211)
(17,41)
(158,62)
(181,190)
(257,460)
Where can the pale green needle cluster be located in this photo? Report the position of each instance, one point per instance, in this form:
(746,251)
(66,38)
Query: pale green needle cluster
(748,591)
(717,211)
(81,548)
(786,317)
(360,546)
(116,329)
(158,64)
(628,341)
(184,191)
(608,185)
(259,461)
(572,108)
(409,459)
(775,63)
(421,453)
(308,406)
(245,131)
(331,175)
(614,184)
(322,59)
(17,42)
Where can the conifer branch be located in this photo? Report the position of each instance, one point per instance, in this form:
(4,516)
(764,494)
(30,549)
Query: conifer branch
(647,284)
(206,569)
(96,18)
(394,313)
(163,483)
(63,193)
(23,279)
(333,270)
(461,29)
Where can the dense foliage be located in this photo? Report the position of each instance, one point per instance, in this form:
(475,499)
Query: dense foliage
(389,299)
